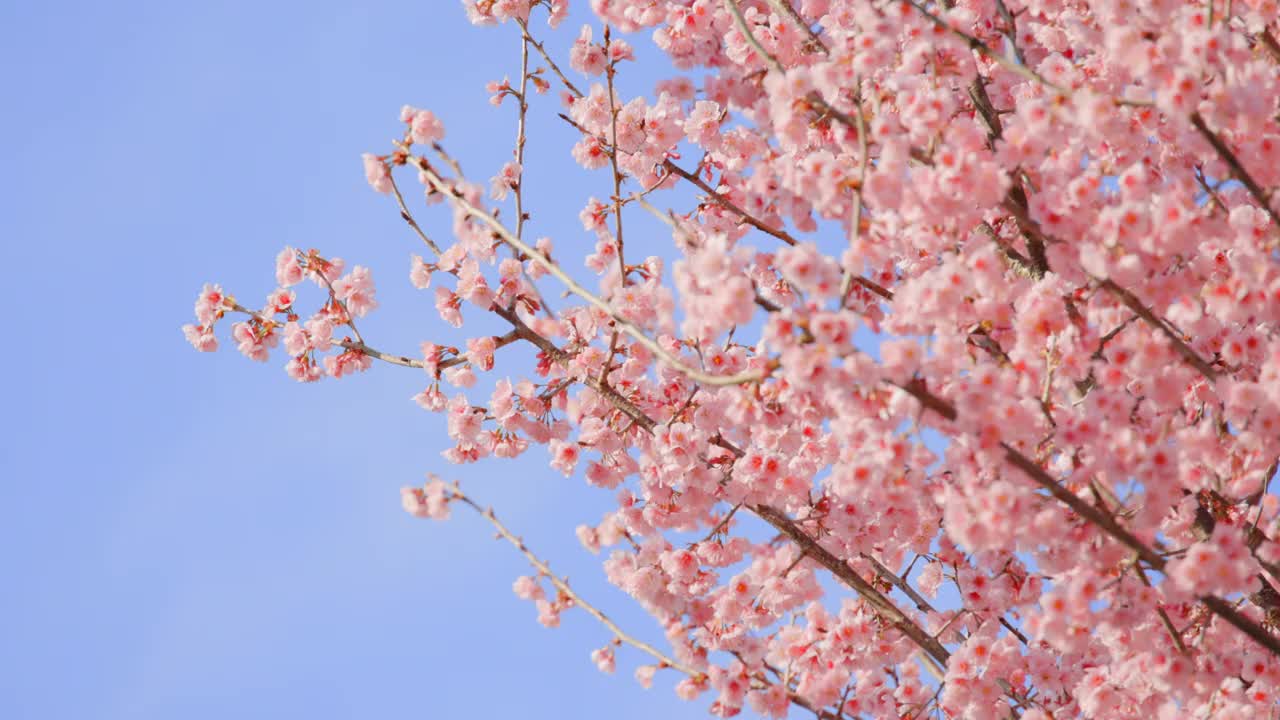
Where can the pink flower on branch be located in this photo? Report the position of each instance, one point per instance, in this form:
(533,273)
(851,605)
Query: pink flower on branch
(954,393)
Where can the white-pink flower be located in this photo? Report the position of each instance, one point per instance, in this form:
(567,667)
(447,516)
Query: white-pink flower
(377,173)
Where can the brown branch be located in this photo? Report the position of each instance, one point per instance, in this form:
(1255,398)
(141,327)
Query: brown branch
(523,100)
(1132,302)
(864,152)
(401,360)
(408,217)
(1164,616)
(846,574)
(728,204)
(1010,31)
(405,361)
(1016,200)
(1099,518)
(1103,522)
(899,582)
(524,28)
(617,199)
(1269,42)
(1237,168)
(785,8)
(751,220)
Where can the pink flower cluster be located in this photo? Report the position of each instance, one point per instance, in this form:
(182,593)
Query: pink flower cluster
(957,392)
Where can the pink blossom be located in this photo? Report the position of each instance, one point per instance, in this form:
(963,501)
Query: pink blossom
(429,501)
(590,153)
(594,214)
(424,127)
(447,305)
(703,124)
(527,588)
(462,376)
(585,56)
(480,12)
(564,456)
(288,270)
(304,369)
(548,614)
(511,9)
(480,351)
(319,333)
(498,90)
(432,399)
(377,173)
(322,271)
(254,339)
(280,301)
(419,273)
(984,297)
(296,341)
(620,49)
(473,287)
(604,660)
(559,11)
(209,304)
(346,363)
(356,291)
(644,675)
(1221,564)
(507,179)
(201,337)
(809,270)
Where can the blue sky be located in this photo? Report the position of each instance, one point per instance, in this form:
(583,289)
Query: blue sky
(196,536)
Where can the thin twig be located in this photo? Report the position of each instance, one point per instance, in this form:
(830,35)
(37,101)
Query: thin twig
(408,216)
(610,70)
(524,28)
(563,587)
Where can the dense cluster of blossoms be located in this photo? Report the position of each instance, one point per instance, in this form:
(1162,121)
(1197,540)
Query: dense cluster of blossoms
(1052,223)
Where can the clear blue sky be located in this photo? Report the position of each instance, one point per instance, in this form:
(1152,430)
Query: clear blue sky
(196,536)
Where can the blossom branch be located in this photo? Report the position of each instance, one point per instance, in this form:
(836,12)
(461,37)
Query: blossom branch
(724,202)
(523,100)
(855,226)
(574,287)
(1262,197)
(1132,302)
(1103,522)
(563,586)
(524,28)
(500,341)
(882,605)
(771,515)
(786,9)
(741,22)
(985,50)
(610,70)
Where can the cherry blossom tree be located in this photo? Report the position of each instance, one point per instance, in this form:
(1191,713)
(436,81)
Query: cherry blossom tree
(1036,486)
